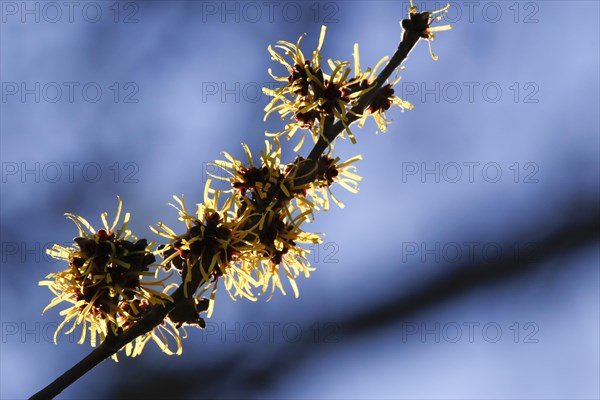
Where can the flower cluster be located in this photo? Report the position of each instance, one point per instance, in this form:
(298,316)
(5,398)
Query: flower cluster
(311,96)
(249,235)
(106,282)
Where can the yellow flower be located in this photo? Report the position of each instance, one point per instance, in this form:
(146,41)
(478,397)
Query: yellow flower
(419,24)
(210,233)
(310,96)
(104,281)
(270,210)
(251,232)
(330,171)
(382,100)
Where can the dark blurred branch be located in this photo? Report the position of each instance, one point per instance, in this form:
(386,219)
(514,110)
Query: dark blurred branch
(472,275)
(245,377)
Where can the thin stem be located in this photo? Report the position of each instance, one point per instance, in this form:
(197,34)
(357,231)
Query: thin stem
(157,314)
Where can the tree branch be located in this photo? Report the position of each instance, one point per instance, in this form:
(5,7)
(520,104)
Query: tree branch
(308,173)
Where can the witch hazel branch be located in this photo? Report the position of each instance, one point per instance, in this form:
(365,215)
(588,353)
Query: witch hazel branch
(250,238)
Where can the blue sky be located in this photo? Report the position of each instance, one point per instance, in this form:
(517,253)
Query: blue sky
(135,98)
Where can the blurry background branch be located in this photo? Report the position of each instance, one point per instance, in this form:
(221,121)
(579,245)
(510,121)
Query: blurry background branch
(578,229)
